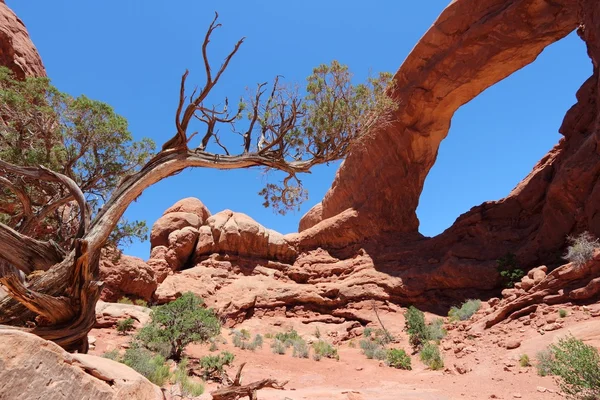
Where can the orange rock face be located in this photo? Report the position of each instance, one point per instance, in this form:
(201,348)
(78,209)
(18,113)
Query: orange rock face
(17,52)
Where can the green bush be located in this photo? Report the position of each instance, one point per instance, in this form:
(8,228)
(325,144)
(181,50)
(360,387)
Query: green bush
(581,249)
(241,339)
(510,272)
(324,349)
(258,341)
(125,325)
(465,311)
(301,349)
(430,355)
(212,366)
(397,358)
(415,326)
(367,332)
(173,326)
(524,360)
(382,337)
(186,385)
(124,300)
(288,338)
(577,368)
(148,364)
(372,350)
(562,313)
(435,330)
(112,355)
(141,303)
(278,347)
(544,362)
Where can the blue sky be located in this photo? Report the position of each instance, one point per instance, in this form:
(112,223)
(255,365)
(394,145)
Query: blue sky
(131,54)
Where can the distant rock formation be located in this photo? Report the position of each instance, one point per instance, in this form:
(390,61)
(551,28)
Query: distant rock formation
(17,52)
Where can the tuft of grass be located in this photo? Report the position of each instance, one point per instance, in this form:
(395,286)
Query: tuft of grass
(124,300)
(430,355)
(524,360)
(268,336)
(544,362)
(288,338)
(141,303)
(187,386)
(324,349)
(562,313)
(258,341)
(151,366)
(125,325)
(301,349)
(397,358)
(367,332)
(317,333)
(278,347)
(372,350)
(466,310)
(435,330)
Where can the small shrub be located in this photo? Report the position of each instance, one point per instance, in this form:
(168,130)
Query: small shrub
(124,300)
(241,340)
(258,341)
(278,347)
(288,338)
(212,366)
(465,311)
(148,364)
(562,313)
(112,355)
(510,272)
(435,330)
(268,336)
(380,354)
(186,385)
(545,359)
(368,348)
(367,332)
(352,344)
(577,368)
(415,326)
(324,349)
(317,333)
(125,325)
(245,334)
(141,303)
(382,337)
(524,360)
(213,346)
(581,249)
(174,325)
(430,355)
(397,358)
(301,349)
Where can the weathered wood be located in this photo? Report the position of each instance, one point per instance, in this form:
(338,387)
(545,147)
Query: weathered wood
(236,390)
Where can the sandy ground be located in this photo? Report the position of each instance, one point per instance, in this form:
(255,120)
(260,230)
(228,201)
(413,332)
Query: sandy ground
(493,372)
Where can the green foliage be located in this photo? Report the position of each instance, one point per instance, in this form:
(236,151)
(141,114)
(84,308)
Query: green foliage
(435,330)
(382,337)
(430,355)
(301,349)
(371,349)
(174,325)
(581,249)
(213,366)
(524,360)
(258,341)
(415,326)
(245,334)
(112,355)
(577,368)
(268,336)
(187,386)
(562,313)
(324,349)
(545,359)
(278,347)
(241,339)
(148,364)
(397,358)
(125,300)
(125,325)
(465,311)
(141,303)
(510,272)
(288,337)
(367,332)
(81,138)
(213,346)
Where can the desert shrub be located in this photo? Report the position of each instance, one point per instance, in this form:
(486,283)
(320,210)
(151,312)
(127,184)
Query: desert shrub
(465,311)
(288,338)
(544,362)
(435,330)
(368,348)
(510,272)
(562,313)
(581,249)
(524,360)
(415,326)
(173,326)
(213,346)
(125,325)
(301,349)
(125,300)
(141,303)
(380,354)
(268,336)
(241,339)
(213,365)
(317,333)
(367,332)
(245,334)
(278,347)
(382,337)
(577,368)
(324,349)
(430,355)
(150,365)
(187,386)
(397,358)
(258,341)
(112,355)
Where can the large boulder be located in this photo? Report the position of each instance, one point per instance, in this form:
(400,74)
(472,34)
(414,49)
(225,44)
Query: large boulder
(190,205)
(159,235)
(17,52)
(125,276)
(33,368)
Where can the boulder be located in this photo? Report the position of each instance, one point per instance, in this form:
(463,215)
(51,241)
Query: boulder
(108,314)
(125,276)
(182,244)
(33,368)
(311,218)
(190,205)
(159,236)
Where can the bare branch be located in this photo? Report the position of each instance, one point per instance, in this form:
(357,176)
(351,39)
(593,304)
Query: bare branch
(25,253)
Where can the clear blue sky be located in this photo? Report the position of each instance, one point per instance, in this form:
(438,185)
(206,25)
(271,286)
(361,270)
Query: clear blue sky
(131,54)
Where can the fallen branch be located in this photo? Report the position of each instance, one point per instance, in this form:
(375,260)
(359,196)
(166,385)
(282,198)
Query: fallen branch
(237,390)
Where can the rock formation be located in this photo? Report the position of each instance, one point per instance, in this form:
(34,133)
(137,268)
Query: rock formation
(33,368)
(17,52)
(125,276)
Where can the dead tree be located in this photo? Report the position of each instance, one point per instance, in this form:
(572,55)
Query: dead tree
(57,300)
(236,390)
